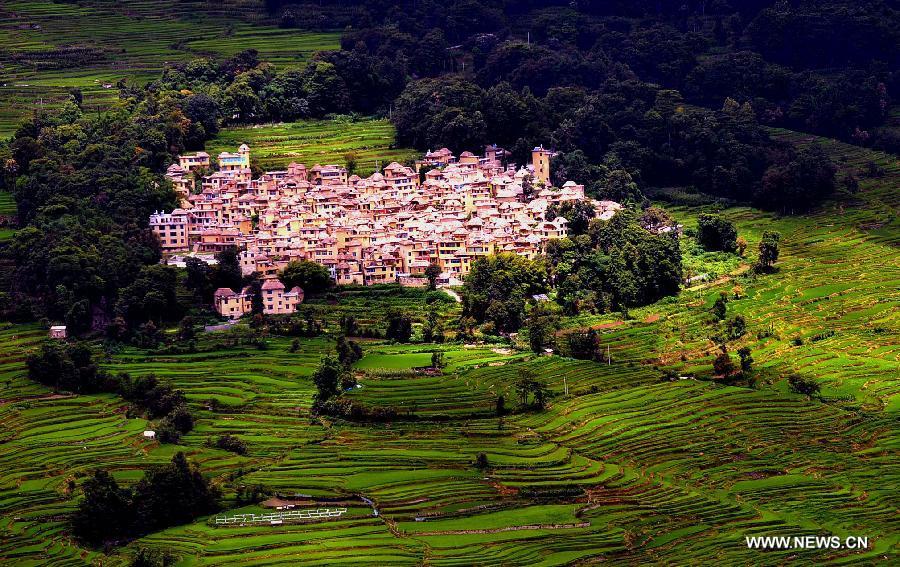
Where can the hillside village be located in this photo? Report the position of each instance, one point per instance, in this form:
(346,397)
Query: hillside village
(384,228)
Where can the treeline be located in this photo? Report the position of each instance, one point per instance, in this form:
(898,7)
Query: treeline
(69,367)
(168,495)
(244,90)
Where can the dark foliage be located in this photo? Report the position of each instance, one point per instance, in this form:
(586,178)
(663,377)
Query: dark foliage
(229,443)
(715,233)
(168,495)
(498,286)
(399,326)
(804,386)
(66,367)
(313,278)
(616,265)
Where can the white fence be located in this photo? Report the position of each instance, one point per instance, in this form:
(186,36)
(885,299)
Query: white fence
(275,518)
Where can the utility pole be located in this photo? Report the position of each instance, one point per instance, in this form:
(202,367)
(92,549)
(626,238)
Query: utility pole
(608,357)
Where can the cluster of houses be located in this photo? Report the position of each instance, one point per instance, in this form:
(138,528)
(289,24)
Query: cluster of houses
(385,228)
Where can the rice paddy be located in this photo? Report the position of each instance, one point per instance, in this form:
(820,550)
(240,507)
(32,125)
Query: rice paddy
(50,47)
(368,141)
(621,467)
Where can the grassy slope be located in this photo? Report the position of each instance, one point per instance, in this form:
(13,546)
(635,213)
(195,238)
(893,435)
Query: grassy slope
(316,141)
(838,272)
(134,39)
(638,470)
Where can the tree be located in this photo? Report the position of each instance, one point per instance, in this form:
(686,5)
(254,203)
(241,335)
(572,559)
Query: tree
(578,214)
(722,365)
(655,219)
(584,345)
(230,443)
(432,273)
(399,326)
(736,327)
(481,462)
(720,307)
(186,329)
(204,110)
(349,326)
(527,387)
(348,352)
(65,367)
(311,277)
(350,162)
(173,494)
(800,385)
(325,88)
(228,269)
(496,288)
(105,513)
(768,250)
(746,361)
(198,278)
(147,557)
(715,233)
(151,296)
(798,181)
(327,378)
(542,323)
(437,359)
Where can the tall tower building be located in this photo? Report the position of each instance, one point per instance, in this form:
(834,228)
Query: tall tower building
(540,161)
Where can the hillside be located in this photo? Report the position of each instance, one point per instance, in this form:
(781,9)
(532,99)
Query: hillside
(627,466)
(368,141)
(52,47)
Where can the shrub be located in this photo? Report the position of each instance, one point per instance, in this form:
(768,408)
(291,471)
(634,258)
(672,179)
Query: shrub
(714,233)
(801,385)
(231,444)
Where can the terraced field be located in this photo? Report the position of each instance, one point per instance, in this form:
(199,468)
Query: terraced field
(369,141)
(7,204)
(837,291)
(109,41)
(625,468)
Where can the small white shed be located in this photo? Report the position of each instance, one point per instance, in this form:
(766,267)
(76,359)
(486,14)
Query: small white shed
(58,332)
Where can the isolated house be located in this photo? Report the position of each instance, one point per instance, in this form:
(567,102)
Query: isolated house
(277,301)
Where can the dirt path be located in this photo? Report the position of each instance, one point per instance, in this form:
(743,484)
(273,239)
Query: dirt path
(452,294)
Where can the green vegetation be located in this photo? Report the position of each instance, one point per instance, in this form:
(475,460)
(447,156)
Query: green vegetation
(364,140)
(52,47)
(754,402)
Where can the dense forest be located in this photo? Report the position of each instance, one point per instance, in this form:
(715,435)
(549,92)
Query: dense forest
(827,67)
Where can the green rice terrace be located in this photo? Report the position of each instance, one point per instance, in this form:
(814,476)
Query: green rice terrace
(367,141)
(621,467)
(50,47)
